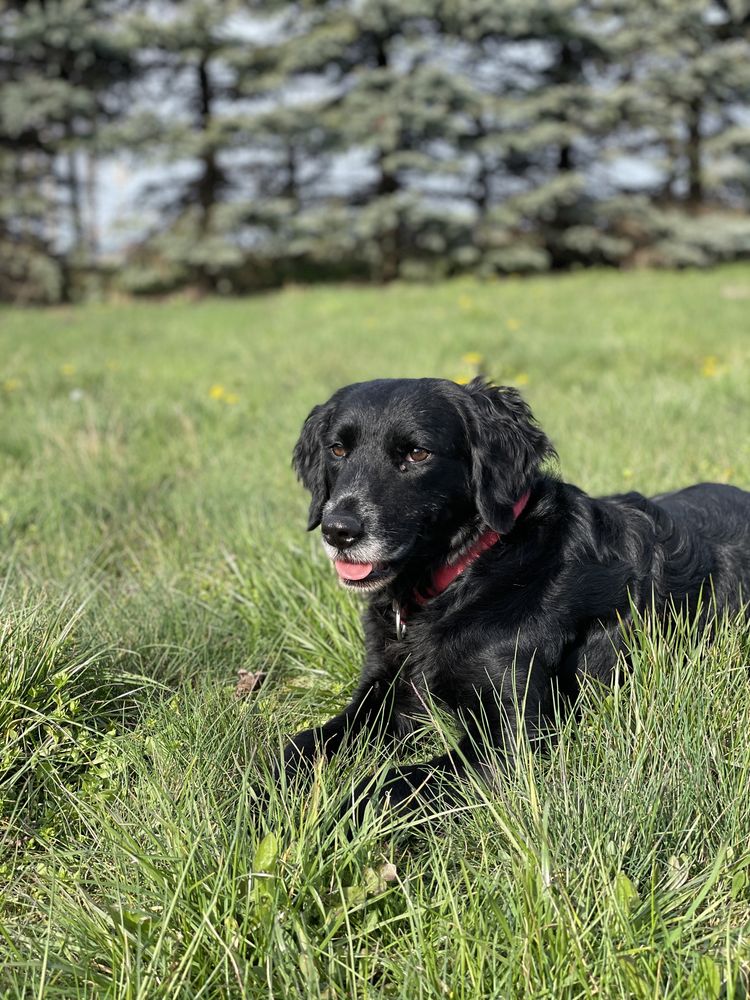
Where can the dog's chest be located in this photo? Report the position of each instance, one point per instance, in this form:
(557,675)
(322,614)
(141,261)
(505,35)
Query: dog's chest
(414,659)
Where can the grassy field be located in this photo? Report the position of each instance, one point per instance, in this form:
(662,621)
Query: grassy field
(152,544)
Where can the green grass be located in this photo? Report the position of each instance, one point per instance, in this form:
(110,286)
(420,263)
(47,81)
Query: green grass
(152,543)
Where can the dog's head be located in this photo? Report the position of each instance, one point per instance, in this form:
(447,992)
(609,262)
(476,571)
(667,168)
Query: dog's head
(405,470)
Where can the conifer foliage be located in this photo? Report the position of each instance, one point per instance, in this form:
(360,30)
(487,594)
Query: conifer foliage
(373,139)
(64,70)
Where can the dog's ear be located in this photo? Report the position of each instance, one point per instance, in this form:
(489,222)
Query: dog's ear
(507,447)
(308,461)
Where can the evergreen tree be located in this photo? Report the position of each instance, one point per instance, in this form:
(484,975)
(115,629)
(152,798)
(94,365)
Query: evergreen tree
(685,128)
(63,67)
(552,98)
(694,74)
(237,151)
(182,49)
(30,268)
(385,104)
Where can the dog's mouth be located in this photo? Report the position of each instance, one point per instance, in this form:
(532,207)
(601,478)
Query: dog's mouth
(362,575)
(356,572)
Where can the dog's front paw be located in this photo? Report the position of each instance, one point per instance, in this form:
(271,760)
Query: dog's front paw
(300,755)
(403,791)
(410,788)
(357,800)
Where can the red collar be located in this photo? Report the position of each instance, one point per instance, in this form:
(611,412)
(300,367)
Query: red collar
(444,576)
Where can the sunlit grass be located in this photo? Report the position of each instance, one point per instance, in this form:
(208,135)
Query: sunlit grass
(152,544)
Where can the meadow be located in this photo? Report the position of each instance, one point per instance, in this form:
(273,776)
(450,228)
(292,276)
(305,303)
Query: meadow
(153,545)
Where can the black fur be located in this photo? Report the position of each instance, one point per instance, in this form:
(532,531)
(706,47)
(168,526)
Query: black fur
(534,613)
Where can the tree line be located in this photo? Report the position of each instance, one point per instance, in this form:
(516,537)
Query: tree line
(370,139)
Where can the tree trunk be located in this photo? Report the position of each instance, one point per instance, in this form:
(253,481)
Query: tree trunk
(694,151)
(74,196)
(92,215)
(481,192)
(568,72)
(388,184)
(290,189)
(210,179)
(565,159)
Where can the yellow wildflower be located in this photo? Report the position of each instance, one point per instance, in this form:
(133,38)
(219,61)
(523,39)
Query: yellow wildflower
(627,473)
(710,367)
(68,369)
(465,302)
(513,324)
(11,384)
(521,379)
(473,358)
(461,379)
(217,392)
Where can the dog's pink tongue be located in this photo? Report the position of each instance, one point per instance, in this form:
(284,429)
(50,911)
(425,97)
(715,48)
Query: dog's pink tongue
(351,570)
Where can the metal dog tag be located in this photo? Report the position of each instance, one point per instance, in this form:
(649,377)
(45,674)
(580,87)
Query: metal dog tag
(400,623)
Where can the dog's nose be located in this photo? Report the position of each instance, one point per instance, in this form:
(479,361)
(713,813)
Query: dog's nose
(341,529)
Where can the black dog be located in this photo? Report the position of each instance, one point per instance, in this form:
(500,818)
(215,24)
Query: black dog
(491,582)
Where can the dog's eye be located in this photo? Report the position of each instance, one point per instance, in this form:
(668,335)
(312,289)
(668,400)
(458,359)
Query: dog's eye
(418,455)
(338,450)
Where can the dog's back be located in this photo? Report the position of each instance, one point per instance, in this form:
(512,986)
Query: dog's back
(715,509)
(719,516)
